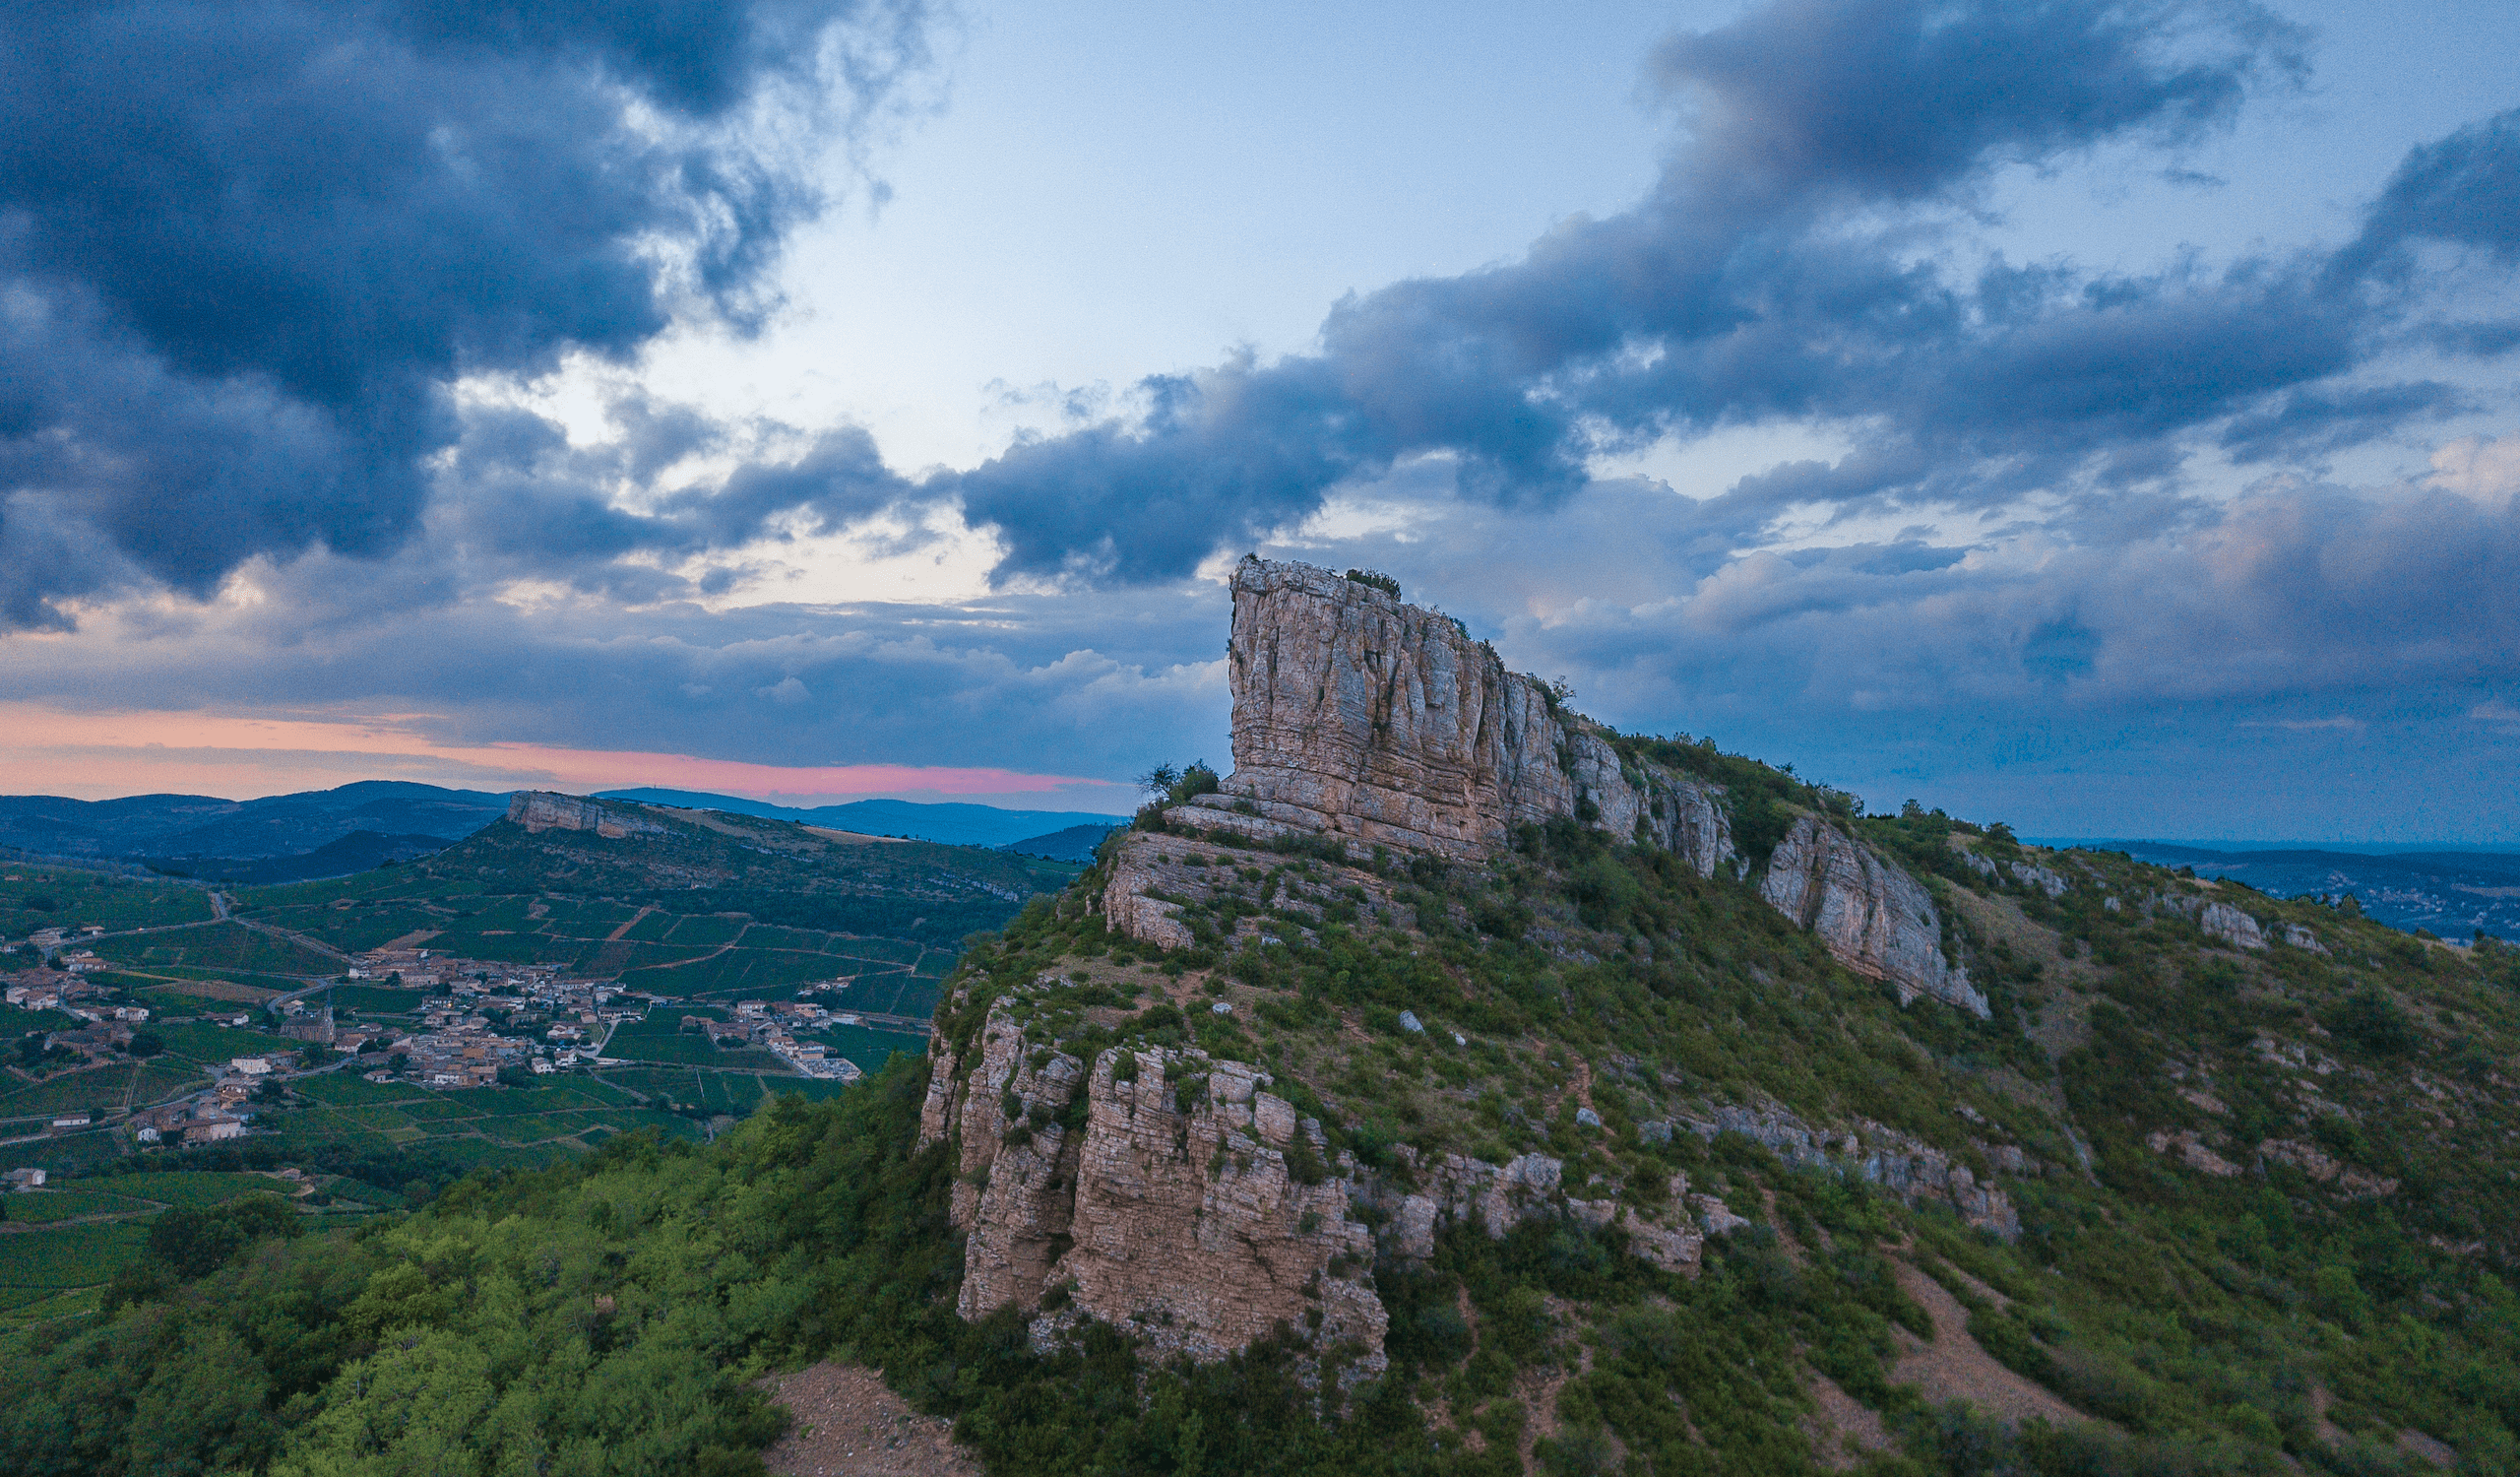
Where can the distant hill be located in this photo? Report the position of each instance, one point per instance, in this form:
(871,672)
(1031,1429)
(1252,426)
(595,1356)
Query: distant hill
(1074,843)
(194,826)
(329,833)
(774,870)
(2452,894)
(357,851)
(951,824)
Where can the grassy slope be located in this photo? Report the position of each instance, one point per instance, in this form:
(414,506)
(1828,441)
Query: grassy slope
(2254,1323)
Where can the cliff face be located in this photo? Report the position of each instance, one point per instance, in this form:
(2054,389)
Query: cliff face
(1357,716)
(1163,1191)
(1360,717)
(540,811)
(1176,1196)
(1873,918)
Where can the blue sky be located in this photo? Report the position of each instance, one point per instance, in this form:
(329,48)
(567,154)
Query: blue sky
(2095,416)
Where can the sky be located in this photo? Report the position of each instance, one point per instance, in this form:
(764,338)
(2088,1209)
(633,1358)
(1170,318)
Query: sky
(2097,416)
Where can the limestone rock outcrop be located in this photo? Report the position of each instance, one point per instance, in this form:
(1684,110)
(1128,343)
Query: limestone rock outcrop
(1872,917)
(542,810)
(1900,1163)
(2216,918)
(1382,723)
(1174,1204)
(1360,717)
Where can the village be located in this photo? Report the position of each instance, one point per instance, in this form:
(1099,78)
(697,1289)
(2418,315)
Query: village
(473,1024)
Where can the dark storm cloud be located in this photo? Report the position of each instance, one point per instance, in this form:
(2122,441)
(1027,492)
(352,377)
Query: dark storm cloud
(1785,267)
(248,243)
(2463,191)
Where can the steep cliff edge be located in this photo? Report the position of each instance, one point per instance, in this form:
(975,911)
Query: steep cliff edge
(1155,1188)
(1359,717)
(539,811)
(1873,918)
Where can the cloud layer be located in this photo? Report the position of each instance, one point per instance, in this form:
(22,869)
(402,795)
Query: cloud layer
(255,271)
(247,246)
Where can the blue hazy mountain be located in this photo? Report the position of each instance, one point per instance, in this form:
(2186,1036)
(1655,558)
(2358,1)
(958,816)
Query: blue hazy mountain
(1074,843)
(277,825)
(952,824)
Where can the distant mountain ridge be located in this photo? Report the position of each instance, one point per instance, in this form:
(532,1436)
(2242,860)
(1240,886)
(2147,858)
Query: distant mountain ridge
(172,826)
(325,833)
(952,824)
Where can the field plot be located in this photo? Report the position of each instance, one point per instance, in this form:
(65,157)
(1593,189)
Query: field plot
(98,1087)
(67,1153)
(220,949)
(44,897)
(376,1000)
(37,1266)
(189,1188)
(202,1042)
(870,1048)
(45,1207)
(486,1125)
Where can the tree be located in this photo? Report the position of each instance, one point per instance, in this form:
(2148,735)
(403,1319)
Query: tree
(1159,779)
(146,1044)
(192,1243)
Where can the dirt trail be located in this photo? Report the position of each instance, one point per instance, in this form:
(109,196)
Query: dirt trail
(1954,1368)
(616,933)
(1841,1431)
(849,1423)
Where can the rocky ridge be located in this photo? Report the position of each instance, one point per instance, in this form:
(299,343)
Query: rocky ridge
(1172,1192)
(539,811)
(1873,918)
(1383,724)
(1379,724)
(1157,1189)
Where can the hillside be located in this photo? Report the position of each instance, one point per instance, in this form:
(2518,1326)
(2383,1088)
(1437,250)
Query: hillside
(2452,894)
(177,828)
(1460,1086)
(953,824)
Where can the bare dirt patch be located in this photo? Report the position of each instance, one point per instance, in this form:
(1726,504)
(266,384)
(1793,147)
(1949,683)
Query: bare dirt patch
(1840,1429)
(855,838)
(1954,1368)
(848,1423)
(2427,1449)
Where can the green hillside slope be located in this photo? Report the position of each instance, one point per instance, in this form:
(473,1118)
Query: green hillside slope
(686,863)
(2267,1202)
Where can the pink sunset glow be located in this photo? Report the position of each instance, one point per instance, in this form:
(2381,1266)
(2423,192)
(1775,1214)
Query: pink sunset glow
(99,755)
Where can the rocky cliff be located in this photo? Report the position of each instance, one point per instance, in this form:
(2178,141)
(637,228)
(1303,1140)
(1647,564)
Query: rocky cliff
(1157,1189)
(1383,724)
(540,811)
(1360,717)
(1873,918)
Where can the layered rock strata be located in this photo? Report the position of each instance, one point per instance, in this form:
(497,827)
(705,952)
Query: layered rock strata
(1381,723)
(540,811)
(1873,918)
(1165,1193)
(1900,1163)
